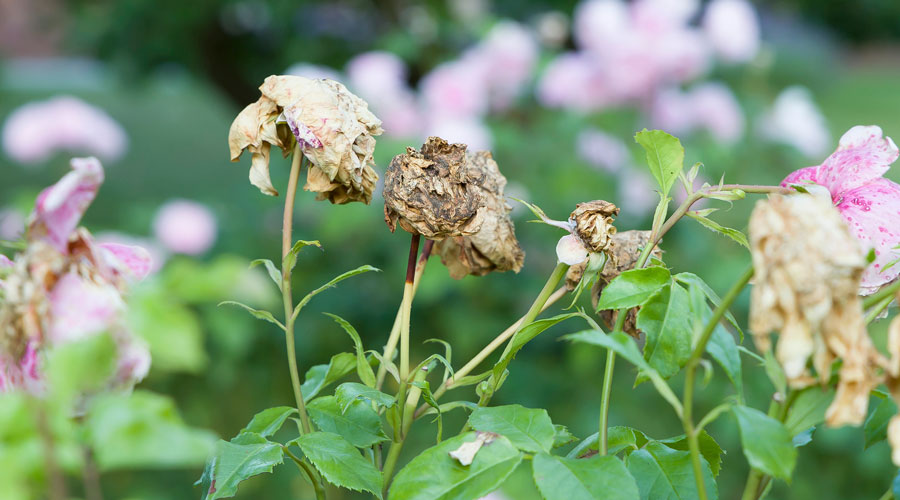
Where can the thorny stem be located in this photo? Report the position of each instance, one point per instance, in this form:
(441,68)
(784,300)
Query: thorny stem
(487,350)
(394,337)
(687,422)
(286,243)
(307,469)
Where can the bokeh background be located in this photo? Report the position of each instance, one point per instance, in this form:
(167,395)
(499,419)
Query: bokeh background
(556,89)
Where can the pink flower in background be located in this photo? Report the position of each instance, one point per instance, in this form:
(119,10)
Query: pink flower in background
(509,52)
(732,29)
(795,120)
(709,106)
(185,226)
(570,82)
(12,224)
(151,248)
(133,261)
(853,176)
(471,131)
(637,193)
(59,208)
(35,131)
(600,23)
(602,150)
(377,75)
(456,89)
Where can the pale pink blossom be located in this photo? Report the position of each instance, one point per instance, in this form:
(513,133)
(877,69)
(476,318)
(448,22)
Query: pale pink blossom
(709,106)
(456,89)
(795,120)
(133,261)
(157,254)
(35,131)
(4,261)
(599,23)
(602,150)
(185,226)
(732,29)
(24,373)
(12,224)
(59,208)
(853,176)
(509,51)
(552,28)
(570,250)
(637,193)
(470,131)
(377,75)
(80,308)
(571,81)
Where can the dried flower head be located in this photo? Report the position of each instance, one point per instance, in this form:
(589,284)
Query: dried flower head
(594,224)
(808,269)
(494,247)
(331,126)
(625,250)
(430,192)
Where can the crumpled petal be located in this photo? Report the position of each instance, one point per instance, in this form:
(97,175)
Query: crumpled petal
(59,208)
(570,250)
(80,308)
(127,259)
(24,373)
(863,155)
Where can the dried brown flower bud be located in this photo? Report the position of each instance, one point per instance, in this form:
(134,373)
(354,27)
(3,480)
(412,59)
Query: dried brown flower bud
(430,192)
(332,127)
(624,251)
(594,224)
(808,269)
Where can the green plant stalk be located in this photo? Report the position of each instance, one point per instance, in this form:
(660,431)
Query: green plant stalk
(876,297)
(310,473)
(604,400)
(690,370)
(412,400)
(394,337)
(286,243)
(405,309)
(878,308)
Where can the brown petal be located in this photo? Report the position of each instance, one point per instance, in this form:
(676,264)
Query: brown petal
(594,223)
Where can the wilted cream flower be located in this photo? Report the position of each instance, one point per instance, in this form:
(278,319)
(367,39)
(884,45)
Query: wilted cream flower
(808,268)
(429,192)
(493,247)
(332,127)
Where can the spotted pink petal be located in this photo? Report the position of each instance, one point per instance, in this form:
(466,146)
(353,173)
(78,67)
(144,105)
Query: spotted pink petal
(80,308)
(127,259)
(873,214)
(59,207)
(802,176)
(863,155)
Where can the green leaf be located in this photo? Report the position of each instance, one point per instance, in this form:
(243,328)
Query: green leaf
(775,373)
(290,260)
(82,366)
(320,376)
(428,396)
(339,462)
(256,313)
(766,442)
(808,409)
(172,330)
(363,368)
(245,456)
(619,438)
(692,280)
(665,156)
(624,346)
(143,430)
(875,428)
(662,473)
(522,337)
(722,348)
(633,288)
(562,436)
(527,429)
(714,226)
(709,448)
(597,478)
(359,424)
(666,321)
(269,421)
(349,274)
(803,438)
(272,269)
(349,392)
(434,475)
(448,353)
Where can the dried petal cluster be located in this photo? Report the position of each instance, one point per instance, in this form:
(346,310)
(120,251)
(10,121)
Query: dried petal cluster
(494,246)
(331,126)
(808,268)
(430,191)
(65,286)
(593,222)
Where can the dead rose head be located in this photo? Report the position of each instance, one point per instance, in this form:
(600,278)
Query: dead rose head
(332,127)
(590,228)
(430,192)
(494,246)
(64,286)
(808,268)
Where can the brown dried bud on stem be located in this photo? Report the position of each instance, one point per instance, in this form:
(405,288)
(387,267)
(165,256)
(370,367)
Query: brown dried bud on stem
(494,246)
(429,192)
(593,222)
(808,268)
(332,127)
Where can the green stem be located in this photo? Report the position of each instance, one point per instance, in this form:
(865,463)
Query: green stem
(888,495)
(604,400)
(286,243)
(308,470)
(390,463)
(878,308)
(405,309)
(875,298)
(690,371)
(751,490)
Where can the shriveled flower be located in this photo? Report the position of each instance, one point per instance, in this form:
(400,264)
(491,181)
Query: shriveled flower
(625,250)
(590,228)
(494,246)
(429,192)
(65,286)
(808,268)
(331,126)
(853,177)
